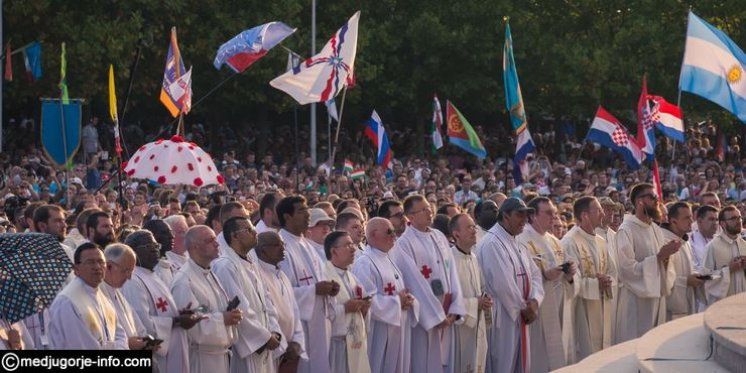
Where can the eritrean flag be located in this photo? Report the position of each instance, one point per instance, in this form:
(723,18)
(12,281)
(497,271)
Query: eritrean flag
(461,133)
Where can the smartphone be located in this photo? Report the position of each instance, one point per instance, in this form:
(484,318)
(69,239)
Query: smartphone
(565,267)
(150,341)
(233,303)
(704,277)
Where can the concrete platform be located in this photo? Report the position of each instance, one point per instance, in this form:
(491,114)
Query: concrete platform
(619,358)
(726,321)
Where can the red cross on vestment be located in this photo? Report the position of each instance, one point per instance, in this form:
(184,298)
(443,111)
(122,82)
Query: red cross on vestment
(426,271)
(307,279)
(162,305)
(389,289)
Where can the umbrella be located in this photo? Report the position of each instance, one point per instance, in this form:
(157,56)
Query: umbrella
(33,269)
(173,162)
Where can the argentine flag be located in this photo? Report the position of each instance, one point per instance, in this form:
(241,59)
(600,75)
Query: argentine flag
(713,67)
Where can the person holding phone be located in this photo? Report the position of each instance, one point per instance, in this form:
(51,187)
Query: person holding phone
(726,256)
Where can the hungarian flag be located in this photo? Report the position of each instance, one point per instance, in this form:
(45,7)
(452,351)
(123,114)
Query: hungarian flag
(437,123)
(348,167)
(461,133)
(176,90)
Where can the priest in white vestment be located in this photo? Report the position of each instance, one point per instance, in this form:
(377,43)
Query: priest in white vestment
(178,255)
(726,258)
(151,299)
(393,310)
(314,293)
(349,348)
(644,267)
(258,333)
(195,284)
(552,334)
(594,304)
(165,237)
(269,252)
(612,213)
(227,211)
(471,335)
(120,262)
(688,285)
(81,317)
(707,227)
(319,227)
(432,345)
(514,281)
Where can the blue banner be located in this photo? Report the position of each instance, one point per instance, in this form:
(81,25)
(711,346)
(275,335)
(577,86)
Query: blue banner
(60,146)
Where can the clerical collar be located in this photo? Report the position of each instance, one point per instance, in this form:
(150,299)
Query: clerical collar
(667,226)
(462,251)
(340,269)
(419,231)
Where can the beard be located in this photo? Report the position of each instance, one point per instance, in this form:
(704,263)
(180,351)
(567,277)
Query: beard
(653,213)
(733,230)
(103,240)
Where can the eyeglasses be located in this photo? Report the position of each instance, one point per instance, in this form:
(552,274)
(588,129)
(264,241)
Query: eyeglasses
(650,195)
(390,232)
(732,218)
(421,210)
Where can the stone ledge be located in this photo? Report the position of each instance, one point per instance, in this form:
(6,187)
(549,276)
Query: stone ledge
(618,358)
(724,321)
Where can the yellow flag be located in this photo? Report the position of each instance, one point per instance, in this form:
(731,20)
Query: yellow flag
(112,95)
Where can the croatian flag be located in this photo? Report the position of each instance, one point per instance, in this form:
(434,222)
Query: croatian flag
(249,46)
(377,134)
(668,118)
(713,67)
(321,77)
(607,131)
(645,123)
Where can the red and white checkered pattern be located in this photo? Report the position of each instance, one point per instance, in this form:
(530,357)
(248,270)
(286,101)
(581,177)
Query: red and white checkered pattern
(619,136)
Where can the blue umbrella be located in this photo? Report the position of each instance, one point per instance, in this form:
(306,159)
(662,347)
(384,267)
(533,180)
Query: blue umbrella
(33,269)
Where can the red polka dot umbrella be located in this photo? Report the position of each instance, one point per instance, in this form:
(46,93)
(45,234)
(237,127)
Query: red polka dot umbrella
(173,162)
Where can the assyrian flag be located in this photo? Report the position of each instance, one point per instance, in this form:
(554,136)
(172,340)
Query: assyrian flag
(437,123)
(607,131)
(377,134)
(713,67)
(174,91)
(645,122)
(667,118)
(323,76)
(249,46)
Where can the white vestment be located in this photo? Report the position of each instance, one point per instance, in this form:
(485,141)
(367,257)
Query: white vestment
(210,339)
(318,249)
(349,348)
(151,300)
(131,323)
(511,278)
(471,336)
(82,318)
(682,301)
(552,333)
(390,332)
(37,326)
(433,348)
(720,251)
(165,270)
(609,235)
(593,309)
(304,269)
(699,248)
(238,276)
(645,281)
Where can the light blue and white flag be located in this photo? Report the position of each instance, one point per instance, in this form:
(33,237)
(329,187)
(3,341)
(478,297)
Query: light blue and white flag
(713,67)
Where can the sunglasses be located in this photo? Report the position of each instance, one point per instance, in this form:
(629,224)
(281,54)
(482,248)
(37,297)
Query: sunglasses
(391,232)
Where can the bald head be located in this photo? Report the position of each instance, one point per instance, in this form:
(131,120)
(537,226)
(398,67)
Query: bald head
(202,245)
(380,234)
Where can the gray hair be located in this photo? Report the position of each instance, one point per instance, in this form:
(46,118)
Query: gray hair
(116,251)
(138,238)
(192,235)
(175,219)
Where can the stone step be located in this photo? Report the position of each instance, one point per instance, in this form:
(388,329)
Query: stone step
(620,358)
(726,321)
(683,345)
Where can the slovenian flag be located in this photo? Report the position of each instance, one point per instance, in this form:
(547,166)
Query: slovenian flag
(249,46)
(377,134)
(713,67)
(461,133)
(607,131)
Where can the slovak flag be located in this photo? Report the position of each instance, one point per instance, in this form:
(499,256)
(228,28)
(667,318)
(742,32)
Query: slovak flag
(377,134)
(321,77)
(667,118)
(607,131)
(249,46)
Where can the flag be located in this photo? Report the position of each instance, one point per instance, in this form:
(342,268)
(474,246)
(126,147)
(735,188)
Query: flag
(514,104)
(461,134)
(657,180)
(358,173)
(32,61)
(607,131)
(645,123)
(713,67)
(8,64)
(249,46)
(348,167)
(323,76)
(720,145)
(437,123)
(377,134)
(113,111)
(331,109)
(667,118)
(175,91)
(63,77)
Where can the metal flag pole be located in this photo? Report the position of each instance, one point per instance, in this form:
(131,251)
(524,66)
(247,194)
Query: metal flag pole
(339,124)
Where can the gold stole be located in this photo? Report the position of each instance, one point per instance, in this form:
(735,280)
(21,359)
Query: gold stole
(88,311)
(602,308)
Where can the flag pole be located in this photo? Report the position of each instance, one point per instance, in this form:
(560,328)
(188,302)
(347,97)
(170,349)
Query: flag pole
(339,124)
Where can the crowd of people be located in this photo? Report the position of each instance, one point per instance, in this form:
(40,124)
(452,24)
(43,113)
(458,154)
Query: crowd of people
(439,263)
